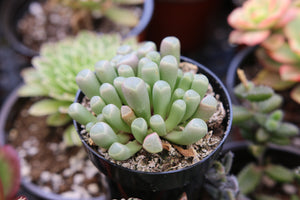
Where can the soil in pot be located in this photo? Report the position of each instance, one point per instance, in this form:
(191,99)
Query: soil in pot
(52,22)
(47,162)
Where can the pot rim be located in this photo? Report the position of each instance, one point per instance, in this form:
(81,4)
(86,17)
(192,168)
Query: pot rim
(9,31)
(226,131)
(32,188)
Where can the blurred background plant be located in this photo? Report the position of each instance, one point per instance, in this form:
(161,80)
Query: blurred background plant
(9,172)
(115,10)
(274,27)
(260,121)
(54,70)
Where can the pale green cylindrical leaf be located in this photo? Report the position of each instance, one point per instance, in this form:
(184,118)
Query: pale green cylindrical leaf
(97,104)
(193,131)
(286,130)
(100,118)
(200,84)
(146,48)
(80,114)
(154,56)
(141,64)
(88,83)
(114,61)
(207,107)
(103,135)
(179,77)
(150,73)
(131,60)
(118,85)
(192,101)
(168,69)
(176,114)
(125,71)
(124,49)
(139,129)
(136,94)
(109,94)
(152,143)
(177,94)
(158,125)
(170,46)
(118,151)
(105,72)
(161,96)
(112,116)
(70,137)
(186,81)
(127,115)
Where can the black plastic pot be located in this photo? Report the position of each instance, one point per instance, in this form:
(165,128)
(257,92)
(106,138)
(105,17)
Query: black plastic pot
(31,191)
(13,10)
(147,185)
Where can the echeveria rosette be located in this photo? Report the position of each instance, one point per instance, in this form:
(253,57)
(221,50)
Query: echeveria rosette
(54,71)
(254,21)
(156,102)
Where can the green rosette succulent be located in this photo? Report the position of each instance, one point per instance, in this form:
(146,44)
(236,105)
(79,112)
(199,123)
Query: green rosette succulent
(145,95)
(53,75)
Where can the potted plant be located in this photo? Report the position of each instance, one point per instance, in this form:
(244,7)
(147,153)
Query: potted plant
(260,122)
(53,20)
(272,56)
(148,116)
(9,172)
(38,105)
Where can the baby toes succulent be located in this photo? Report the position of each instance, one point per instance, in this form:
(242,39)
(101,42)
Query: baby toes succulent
(141,97)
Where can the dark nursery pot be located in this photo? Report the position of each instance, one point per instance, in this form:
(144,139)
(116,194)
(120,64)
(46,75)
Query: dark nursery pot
(31,191)
(13,10)
(163,185)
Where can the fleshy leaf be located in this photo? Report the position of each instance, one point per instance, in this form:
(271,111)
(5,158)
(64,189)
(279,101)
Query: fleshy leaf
(249,178)
(46,107)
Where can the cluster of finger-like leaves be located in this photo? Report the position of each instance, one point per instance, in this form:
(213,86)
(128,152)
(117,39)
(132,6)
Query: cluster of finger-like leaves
(261,119)
(143,93)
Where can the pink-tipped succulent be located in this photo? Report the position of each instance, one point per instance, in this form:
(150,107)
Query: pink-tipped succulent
(274,25)
(9,172)
(254,21)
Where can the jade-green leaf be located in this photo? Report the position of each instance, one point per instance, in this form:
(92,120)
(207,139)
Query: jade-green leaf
(46,107)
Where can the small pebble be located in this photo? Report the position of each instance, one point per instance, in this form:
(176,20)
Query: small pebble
(45,176)
(289,189)
(93,188)
(78,179)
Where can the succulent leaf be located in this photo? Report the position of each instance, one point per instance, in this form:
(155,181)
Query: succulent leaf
(119,151)
(158,125)
(249,178)
(103,135)
(280,173)
(79,113)
(139,129)
(206,108)
(200,84)
(88,83)
(161,95)
(176,114)
(97,104)
(112,115)
(168,69)
(110,95)
(170,46)
(152,143)
(193,131)
(136,94)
